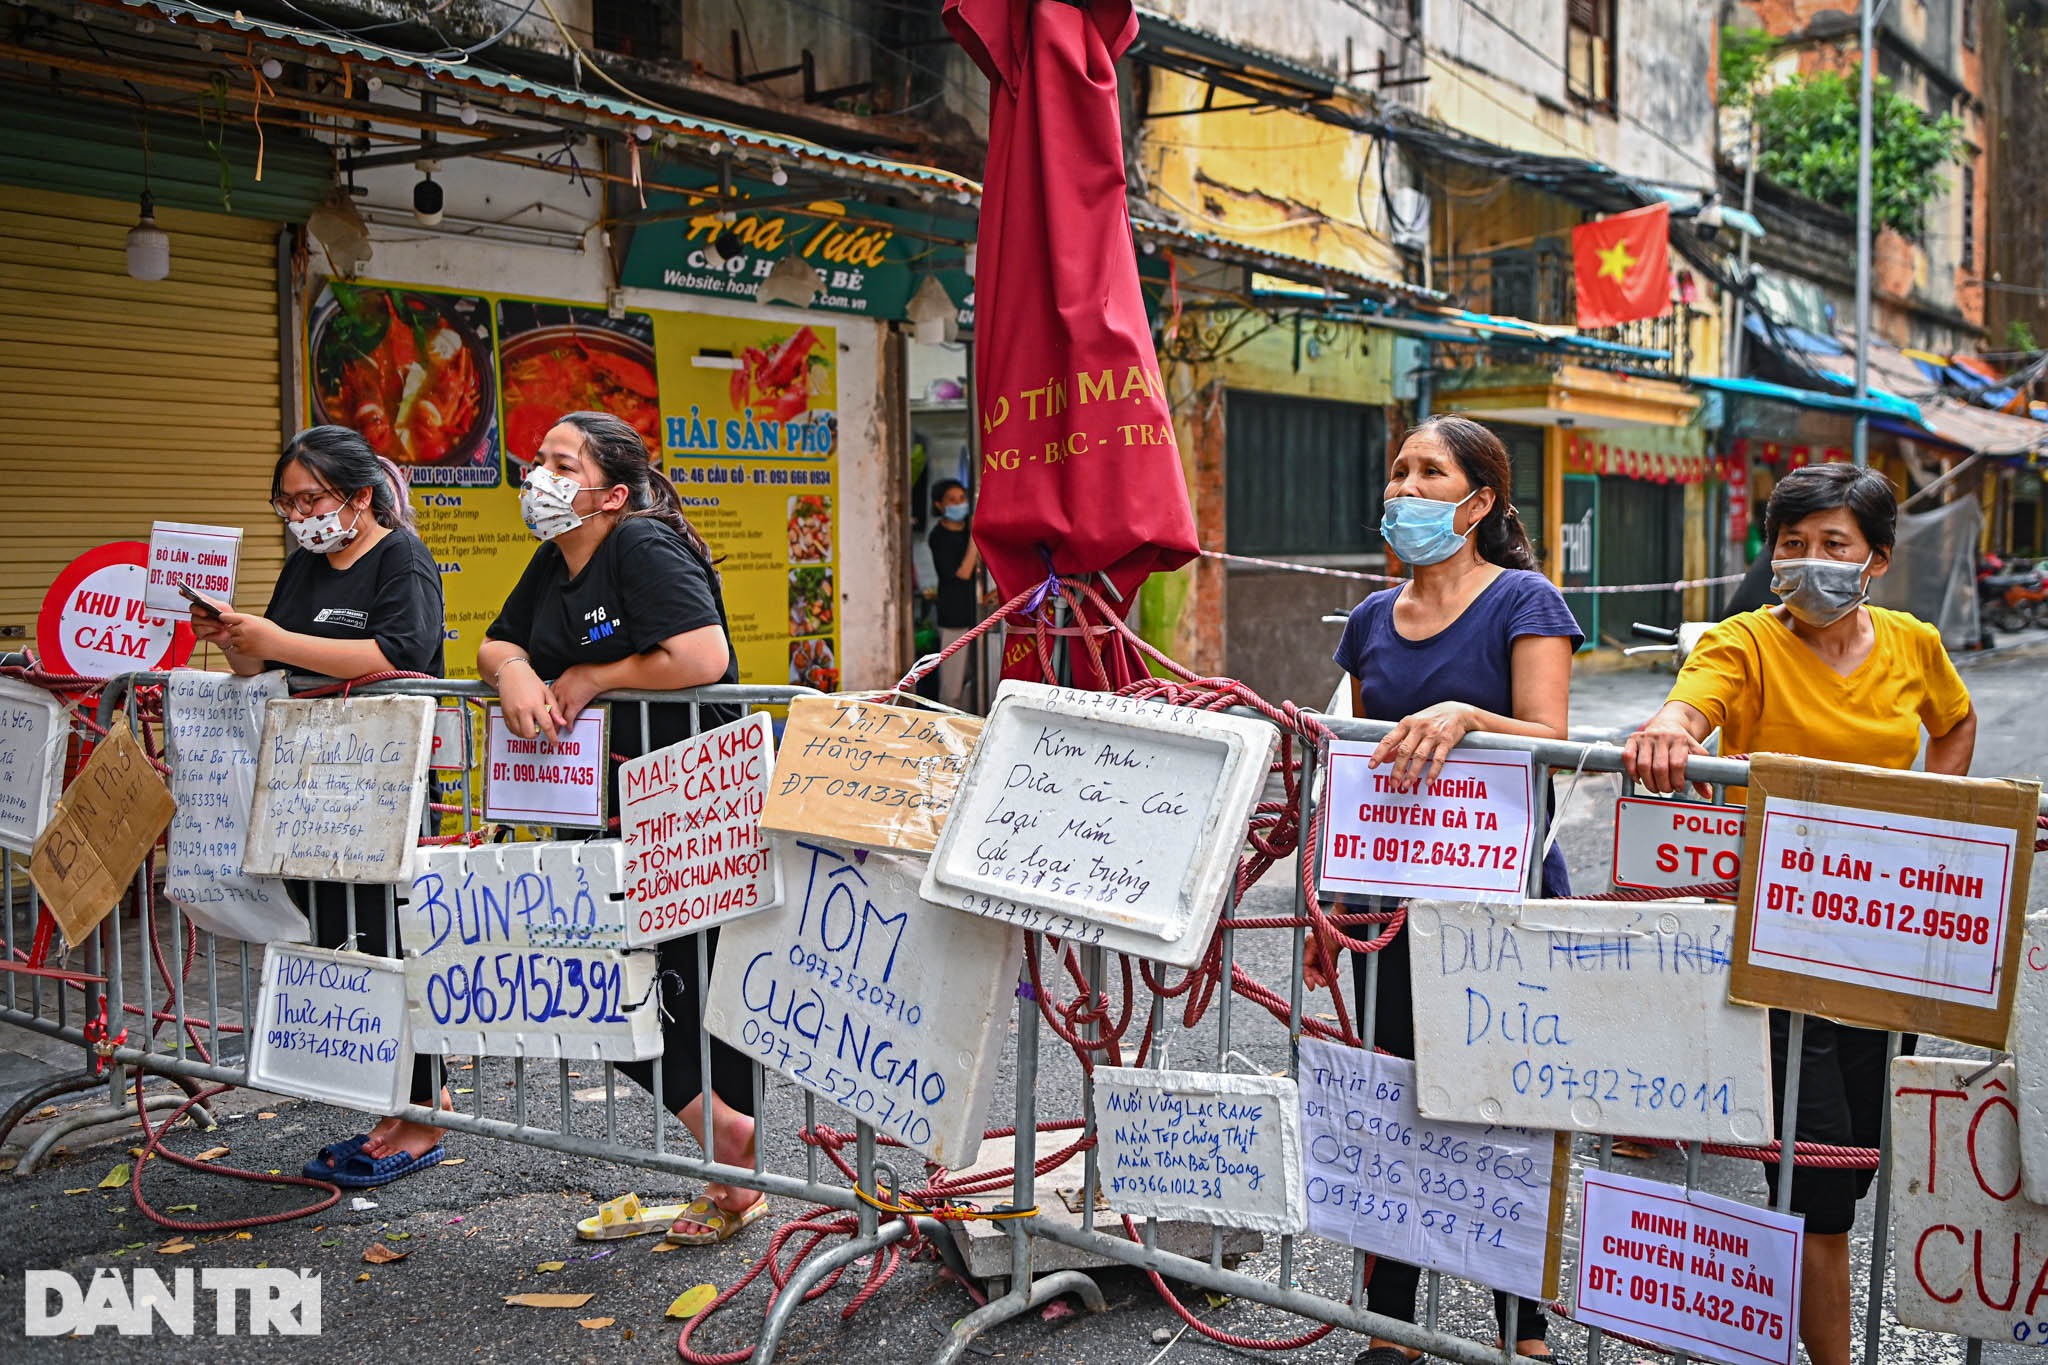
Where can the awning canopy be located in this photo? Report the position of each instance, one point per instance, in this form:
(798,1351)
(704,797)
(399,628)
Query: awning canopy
(1878,404)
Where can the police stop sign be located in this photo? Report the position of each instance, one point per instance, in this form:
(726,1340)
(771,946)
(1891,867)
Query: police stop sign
(1665,845)
(94,622)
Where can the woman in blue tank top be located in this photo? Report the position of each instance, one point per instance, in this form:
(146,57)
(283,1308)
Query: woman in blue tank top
(1476,640)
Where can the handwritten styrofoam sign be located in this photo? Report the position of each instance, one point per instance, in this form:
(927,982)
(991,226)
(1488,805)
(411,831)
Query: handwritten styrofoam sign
(330,1026)
(1973,1258)
(340,785)
(2029,1048)
(202,556)
(33,737)
(1206,1147)
(1598,1018)
(465,900)
(1666,845)
(1480,1202)
(868,996)
(1709,1276)
(1466,835)
(690,815)
(212,725)
(1102,819)
(546,782)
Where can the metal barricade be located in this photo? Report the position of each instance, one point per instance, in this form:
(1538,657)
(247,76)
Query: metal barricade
(169,1036)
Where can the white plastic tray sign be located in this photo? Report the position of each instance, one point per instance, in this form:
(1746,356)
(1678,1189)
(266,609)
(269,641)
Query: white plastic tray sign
(1690,1271)
(1102,819)
(690,815)
(546,782)
(1588,1017)
(331,1026)
(202,556)
(1899,902)
(2029,1048)
(33,737)
(213,723)
(1973,1255)
(450,753)
(341,783)
(1474,1201)
(1467,835)
(866,995)
(1669,845)
(549,895)
(590,1004)
(1201,1146)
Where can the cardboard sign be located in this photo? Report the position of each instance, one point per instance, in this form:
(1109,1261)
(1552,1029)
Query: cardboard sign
(539,782)
(33,738)
(588,1004)
(465,900)
(858,772)
(1102,819)
(212,722)
(865,995)
(1668,845)
(202,556)
(330,1026)
(95,623)
(1891,900)
(1973,1258)
(340,784)
(1483,1203)
(1201,1146)
(106,823)
(451,740)
(1466,836)
(1711,1277)
(2029,1047)
(691,818)
(1595,1018)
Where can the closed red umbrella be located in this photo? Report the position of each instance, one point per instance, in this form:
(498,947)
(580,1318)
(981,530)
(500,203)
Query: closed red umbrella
(1080,473)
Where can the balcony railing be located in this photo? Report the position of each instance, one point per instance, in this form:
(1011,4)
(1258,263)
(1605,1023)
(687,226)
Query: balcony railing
(1534,282)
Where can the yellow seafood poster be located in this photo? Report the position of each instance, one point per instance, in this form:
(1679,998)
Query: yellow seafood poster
(459,389)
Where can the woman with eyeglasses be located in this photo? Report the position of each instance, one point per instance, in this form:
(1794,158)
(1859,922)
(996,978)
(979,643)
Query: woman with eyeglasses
(359,594)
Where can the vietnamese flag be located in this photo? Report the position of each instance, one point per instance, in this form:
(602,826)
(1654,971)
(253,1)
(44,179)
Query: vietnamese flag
(1623,267)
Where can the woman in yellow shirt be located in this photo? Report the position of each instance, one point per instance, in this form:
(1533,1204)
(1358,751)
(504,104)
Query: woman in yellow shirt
(1821,675)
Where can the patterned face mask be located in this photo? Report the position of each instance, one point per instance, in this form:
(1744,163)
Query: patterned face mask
(547,502)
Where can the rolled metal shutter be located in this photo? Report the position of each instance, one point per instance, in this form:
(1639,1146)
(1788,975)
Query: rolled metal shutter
(124,402)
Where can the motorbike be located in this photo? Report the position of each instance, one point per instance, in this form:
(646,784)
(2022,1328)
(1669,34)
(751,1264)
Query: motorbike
(1677,641)
(2012,595)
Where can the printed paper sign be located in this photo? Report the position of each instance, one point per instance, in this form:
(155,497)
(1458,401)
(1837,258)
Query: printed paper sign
(862,993)
(1884,899)
(858,772)
(1973,1258)
(542,782)
(212,725)
(1202,1147)
(107,821)
(204,557)
(1465,836)
(340,784)
(330,1026)
(1697,1273)
(450,752)
(33,737)
(1669,845)
(1483,1203)
(691,817)
(463,901)
(2029,1048)
(1599,1018)
(1102,819)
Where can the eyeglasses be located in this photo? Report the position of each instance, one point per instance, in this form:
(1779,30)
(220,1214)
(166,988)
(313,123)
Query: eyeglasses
(302,504)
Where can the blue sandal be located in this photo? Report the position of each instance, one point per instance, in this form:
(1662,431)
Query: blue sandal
(359,1171)
(334,1156)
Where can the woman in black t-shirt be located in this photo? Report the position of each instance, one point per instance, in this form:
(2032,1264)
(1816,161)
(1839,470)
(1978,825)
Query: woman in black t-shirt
(359,594)
(957,561)
(623,596)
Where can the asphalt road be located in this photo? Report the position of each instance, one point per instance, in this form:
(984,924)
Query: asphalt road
(482,1229)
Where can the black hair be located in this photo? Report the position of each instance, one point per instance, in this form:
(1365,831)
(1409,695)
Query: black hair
(623,458)
(1817,488)
(945,486)
(345,464)
(1500,536)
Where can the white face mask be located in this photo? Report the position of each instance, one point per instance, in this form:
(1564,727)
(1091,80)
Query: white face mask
(323,534)
(547,502)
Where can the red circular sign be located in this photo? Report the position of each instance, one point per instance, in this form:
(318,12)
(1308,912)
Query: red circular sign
(93,623)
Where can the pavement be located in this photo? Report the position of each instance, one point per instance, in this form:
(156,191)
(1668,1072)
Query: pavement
(497,1219)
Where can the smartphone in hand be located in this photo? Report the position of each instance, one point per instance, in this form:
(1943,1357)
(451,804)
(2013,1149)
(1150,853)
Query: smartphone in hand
(203,605)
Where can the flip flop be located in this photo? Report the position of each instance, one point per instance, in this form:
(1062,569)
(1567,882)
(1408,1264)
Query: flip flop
(333,1156)
(719,1224)
(361,1171)
(626,1216)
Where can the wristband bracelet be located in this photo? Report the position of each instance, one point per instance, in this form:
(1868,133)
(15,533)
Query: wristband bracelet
(515,659)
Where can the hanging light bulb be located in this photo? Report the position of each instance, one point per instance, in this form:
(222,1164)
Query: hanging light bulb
(272,68)
(793,281)
(467,113)
(934,318)
(778,176)
(427,199)
(968,263)
(373,83)
(149,246)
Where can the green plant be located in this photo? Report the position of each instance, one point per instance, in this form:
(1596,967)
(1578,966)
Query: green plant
(1744,52)
(1807,129)
(2020,337)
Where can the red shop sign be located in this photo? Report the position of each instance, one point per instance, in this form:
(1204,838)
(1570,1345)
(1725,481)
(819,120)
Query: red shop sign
(93,622)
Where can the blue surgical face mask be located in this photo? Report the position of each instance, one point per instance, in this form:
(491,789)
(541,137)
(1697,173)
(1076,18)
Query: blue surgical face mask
(957,512)
(1423,530)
